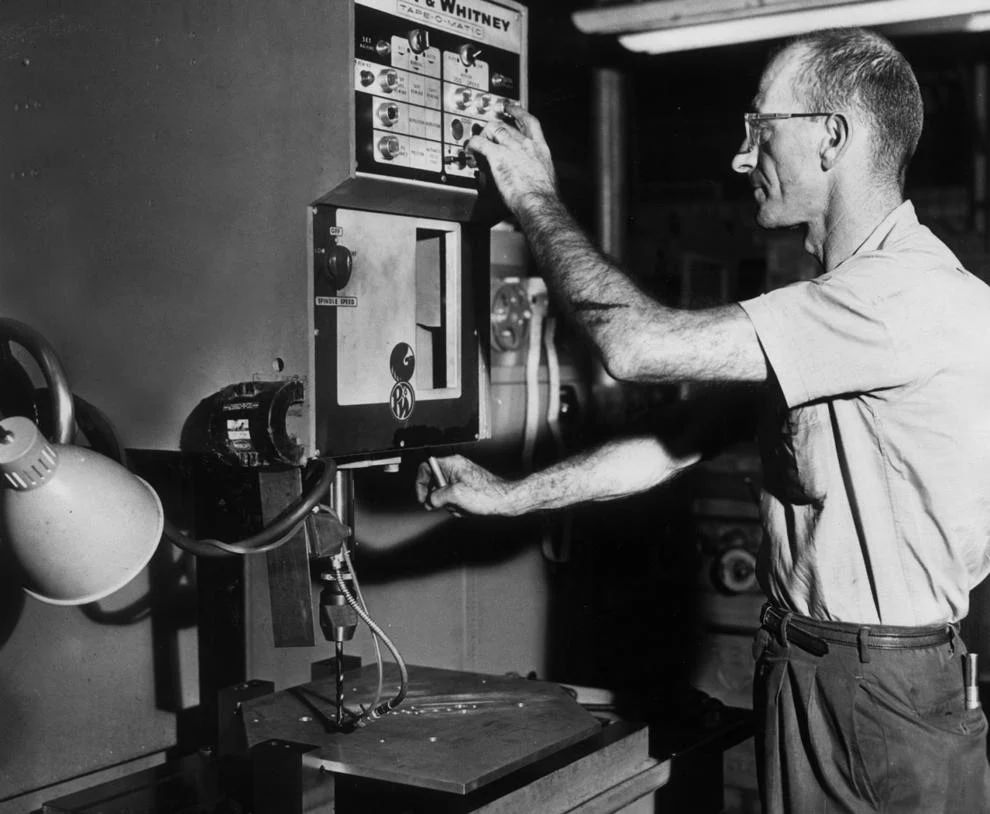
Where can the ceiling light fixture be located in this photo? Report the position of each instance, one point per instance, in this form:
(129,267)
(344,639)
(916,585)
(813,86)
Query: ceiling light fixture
(664,26)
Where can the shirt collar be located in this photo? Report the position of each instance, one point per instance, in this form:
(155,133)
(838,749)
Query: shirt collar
(902,216)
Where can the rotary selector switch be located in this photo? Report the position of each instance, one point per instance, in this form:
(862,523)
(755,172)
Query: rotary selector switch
(335,262)
(339,265)
(469,54)
(419,40)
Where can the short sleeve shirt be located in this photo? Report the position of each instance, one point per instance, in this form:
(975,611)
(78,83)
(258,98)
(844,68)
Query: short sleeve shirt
(876,498)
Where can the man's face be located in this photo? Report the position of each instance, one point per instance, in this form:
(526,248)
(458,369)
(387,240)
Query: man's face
(784,168)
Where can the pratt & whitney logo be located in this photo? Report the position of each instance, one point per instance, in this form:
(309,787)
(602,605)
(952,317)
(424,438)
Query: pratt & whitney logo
(449,12)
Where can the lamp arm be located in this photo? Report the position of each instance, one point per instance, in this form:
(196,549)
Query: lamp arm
(63,410)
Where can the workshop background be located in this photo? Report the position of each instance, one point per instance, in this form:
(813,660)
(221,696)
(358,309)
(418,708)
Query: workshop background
(651,599)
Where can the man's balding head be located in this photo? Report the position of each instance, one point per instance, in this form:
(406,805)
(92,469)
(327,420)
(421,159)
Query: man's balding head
(860,71)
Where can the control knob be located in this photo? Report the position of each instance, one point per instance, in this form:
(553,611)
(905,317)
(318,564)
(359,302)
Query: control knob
(389,147)
(388,113)
(469,53)
(483,103)
(419,40)
(388,79)
(338,266)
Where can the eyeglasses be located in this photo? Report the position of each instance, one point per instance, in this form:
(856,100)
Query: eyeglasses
(755,125)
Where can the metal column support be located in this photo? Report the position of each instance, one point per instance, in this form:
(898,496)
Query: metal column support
(610,124)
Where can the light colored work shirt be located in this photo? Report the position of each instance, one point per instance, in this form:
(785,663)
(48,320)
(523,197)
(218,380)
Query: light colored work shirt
(876,499)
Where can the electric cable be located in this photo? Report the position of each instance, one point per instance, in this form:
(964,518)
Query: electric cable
(275,534)
(392,703)
(374,639)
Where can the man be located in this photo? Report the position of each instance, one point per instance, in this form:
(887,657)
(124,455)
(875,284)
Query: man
(875,430)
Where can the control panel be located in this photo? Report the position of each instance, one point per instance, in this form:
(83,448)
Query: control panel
(428,74)
(396,346)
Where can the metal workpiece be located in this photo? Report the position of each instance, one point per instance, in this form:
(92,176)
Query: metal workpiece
(455,732)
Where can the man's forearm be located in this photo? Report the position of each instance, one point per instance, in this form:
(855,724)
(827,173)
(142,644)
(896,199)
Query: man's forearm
(595,294)
(639,338)
(616,469)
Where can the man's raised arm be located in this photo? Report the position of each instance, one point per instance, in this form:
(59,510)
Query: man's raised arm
(638,338)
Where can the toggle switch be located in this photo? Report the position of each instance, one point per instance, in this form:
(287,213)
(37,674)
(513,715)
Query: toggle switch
(382,48)
(462,98)
(388,113)
(462,159)
(366,78)
(483,103)
(500,81)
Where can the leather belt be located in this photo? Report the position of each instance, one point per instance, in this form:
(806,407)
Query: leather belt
(814,636)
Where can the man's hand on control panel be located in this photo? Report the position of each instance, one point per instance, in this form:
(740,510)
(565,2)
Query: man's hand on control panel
(518,157)
(469,488)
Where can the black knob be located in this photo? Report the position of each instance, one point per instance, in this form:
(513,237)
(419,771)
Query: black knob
(419,40)
(338,266)
(469,53)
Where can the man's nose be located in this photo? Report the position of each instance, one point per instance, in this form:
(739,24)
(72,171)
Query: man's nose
(744,161)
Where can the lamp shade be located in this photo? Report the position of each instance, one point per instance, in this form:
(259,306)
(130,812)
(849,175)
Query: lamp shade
(80,525)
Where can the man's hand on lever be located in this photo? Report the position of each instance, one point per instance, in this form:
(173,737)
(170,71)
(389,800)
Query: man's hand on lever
(518,156)
(463,488)
(616,469)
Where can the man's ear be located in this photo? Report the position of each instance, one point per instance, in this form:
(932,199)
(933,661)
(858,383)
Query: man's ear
(836,140)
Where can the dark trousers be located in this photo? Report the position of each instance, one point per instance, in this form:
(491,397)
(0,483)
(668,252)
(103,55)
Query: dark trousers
(889,734)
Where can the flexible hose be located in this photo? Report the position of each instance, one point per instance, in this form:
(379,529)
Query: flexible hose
(393,702)
(277,533)
(537,303)
(374,639)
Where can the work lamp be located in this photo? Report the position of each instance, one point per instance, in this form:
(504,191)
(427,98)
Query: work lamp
(79,525)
